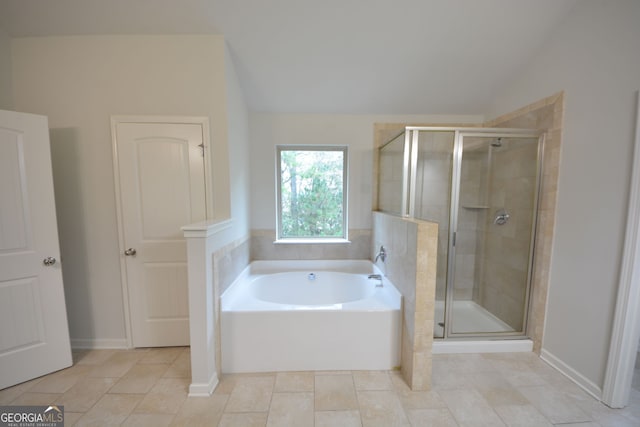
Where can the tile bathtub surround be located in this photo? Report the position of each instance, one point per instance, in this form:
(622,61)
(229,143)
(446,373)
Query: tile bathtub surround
(264,248)
(229,261)
(411,265)
(503,389)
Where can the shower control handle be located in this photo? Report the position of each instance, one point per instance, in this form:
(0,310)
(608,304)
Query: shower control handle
(502,217)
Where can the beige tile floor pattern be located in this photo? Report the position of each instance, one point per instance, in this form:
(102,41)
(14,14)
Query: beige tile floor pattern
(148,387)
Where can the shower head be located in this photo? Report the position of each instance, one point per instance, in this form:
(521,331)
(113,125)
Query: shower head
(497,142)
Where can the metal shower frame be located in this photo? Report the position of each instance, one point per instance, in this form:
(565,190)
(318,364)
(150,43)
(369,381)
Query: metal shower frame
(410,161)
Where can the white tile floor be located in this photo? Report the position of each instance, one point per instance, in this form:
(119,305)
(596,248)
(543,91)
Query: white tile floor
(148,387)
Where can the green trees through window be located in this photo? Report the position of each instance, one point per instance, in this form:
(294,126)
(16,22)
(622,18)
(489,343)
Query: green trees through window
(311,190)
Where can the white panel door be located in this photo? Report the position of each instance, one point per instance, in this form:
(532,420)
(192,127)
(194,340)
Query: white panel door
(34,335)
(162,188)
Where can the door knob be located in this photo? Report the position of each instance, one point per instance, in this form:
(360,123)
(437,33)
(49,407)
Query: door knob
(49,261)
(130,252)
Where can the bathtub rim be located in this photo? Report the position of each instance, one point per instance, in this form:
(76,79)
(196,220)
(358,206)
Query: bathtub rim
(387,298)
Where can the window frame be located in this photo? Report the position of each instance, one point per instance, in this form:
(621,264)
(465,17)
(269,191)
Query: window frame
(345,194)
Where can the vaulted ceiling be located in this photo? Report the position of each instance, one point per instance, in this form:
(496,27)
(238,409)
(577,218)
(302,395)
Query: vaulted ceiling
(333,56)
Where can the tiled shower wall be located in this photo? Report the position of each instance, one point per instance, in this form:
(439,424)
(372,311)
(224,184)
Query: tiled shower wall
(411,247)
(545,114)
(391,161)
(472,212)
(433,193)
(504,256)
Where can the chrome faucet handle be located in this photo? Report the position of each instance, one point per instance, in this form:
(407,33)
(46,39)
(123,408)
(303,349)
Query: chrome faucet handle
(502,217)
(382,254)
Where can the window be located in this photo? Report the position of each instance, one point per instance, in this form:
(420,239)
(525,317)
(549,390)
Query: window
(312,192)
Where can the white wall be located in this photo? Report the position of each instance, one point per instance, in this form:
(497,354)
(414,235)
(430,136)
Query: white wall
(6,96)
(595,58)
(238,141)
(356,131)
(79,82)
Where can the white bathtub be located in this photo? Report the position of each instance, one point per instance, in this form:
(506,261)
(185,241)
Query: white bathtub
(276,317)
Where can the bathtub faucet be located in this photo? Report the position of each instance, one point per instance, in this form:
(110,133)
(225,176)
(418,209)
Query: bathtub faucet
(382,254)
(376,277)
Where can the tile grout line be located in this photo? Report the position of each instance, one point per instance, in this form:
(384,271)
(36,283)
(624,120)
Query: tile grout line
(313,400)
(103,394)
(273,390)
(353,380)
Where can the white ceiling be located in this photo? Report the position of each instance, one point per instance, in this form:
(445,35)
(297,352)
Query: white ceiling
(333,56)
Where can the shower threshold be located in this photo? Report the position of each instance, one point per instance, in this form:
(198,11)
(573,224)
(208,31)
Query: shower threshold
(470,317)
(441,346)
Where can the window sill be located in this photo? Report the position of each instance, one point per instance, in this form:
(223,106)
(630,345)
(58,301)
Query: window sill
(315,241)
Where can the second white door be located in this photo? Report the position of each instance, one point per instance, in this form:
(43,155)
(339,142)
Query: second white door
(161,184)
(34,336)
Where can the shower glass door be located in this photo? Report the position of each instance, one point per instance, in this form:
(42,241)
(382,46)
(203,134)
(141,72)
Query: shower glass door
(491,244)
(431,201)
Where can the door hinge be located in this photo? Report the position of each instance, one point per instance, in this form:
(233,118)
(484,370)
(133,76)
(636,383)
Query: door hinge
(202,146)
(454,239)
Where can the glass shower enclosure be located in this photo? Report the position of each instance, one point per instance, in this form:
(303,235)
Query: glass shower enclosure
(481,186)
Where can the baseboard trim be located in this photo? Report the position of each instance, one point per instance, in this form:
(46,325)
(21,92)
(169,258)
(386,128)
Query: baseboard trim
(202,389)
(94,344)
(575,376)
